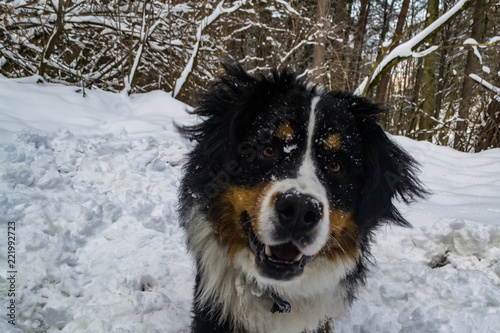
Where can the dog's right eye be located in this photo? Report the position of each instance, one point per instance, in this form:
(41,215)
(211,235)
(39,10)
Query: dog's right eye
(268,152)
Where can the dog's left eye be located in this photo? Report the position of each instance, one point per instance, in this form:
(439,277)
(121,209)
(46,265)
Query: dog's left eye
(335,167)
(268,152)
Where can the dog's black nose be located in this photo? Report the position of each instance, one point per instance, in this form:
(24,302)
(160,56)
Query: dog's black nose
(297,211)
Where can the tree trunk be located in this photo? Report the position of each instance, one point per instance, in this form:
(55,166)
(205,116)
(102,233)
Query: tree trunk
(348,19)
(54,37)
(489,136)
(382,86)
(415,105)
(319,58)
(467,86)
(342,26)
(358,43)
(429,79)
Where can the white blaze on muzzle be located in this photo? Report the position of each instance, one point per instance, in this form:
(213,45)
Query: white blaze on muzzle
(306,183)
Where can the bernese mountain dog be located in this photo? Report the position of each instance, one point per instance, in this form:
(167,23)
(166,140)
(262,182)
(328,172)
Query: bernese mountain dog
(280,196)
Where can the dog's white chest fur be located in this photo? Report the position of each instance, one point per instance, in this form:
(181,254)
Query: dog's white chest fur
(243,294)
(253,310)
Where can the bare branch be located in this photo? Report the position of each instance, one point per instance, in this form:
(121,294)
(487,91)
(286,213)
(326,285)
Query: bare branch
(406,50)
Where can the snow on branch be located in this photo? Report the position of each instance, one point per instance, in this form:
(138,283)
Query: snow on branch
(204,23)
(295,48)
(288,7)
(406,49)
(128,79)
(485,84)
(145,34)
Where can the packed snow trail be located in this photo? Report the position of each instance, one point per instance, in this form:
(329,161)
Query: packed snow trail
(91,185)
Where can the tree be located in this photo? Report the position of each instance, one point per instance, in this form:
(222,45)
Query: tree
(472,64)
(319,54)
(204,23)
(427,121)
(175,46)
(489,131)
(382,86)
(358,41)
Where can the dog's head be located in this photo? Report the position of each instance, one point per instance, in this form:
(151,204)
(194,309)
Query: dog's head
(287,173)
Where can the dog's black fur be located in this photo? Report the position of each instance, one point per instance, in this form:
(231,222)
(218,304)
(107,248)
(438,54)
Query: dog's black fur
(227,152)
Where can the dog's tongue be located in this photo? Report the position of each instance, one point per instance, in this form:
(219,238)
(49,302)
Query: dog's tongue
(285,252)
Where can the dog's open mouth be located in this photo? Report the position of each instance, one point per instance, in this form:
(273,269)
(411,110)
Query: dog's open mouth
(283,254)
(279,262)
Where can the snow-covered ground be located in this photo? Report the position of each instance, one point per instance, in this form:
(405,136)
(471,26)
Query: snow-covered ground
(90,184)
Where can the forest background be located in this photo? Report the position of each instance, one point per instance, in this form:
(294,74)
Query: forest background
(434,65)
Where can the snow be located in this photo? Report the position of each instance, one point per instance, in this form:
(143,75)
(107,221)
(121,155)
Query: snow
(386,44)
(288,7)
(485,83)
(91,186)
(470,41)
(478,54)
(425,52)
(443,275)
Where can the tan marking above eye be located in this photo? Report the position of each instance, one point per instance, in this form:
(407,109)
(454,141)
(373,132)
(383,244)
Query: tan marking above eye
(285,132)
(333,142)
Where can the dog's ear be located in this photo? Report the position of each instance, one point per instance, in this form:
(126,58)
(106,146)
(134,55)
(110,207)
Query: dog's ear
(389,171)
(216,106)
(249,95)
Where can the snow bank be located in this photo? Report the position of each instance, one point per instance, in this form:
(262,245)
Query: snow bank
(444,274)
(98,245)
(49,107)
(91,186)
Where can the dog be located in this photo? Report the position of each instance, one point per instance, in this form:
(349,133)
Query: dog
(281,193)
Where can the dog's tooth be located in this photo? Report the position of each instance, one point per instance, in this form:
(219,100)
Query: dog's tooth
(298,257)
(268,251)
